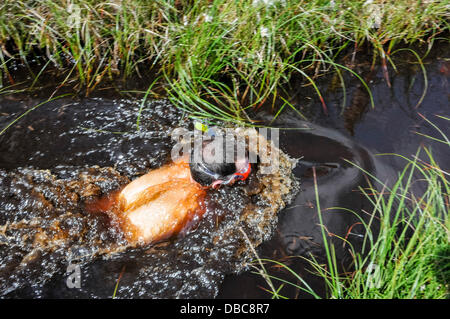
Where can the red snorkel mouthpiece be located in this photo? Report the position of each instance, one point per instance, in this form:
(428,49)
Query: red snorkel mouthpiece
(241,175)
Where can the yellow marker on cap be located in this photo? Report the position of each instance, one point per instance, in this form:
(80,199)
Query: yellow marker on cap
(200,126)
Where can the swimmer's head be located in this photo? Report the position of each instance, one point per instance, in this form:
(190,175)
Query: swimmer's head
(211,166)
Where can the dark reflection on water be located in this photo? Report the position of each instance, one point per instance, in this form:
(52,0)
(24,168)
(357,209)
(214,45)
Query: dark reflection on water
(88,132)
(91,147)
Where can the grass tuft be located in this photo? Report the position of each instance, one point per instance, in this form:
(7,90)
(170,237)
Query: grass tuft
(215,58)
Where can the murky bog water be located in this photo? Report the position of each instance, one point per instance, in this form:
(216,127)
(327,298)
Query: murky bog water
(69,151)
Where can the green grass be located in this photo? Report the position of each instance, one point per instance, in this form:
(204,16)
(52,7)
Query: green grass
(395,265)
(214,58)
(409,258)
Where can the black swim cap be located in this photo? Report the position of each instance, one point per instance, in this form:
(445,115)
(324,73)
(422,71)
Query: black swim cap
(205,168)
